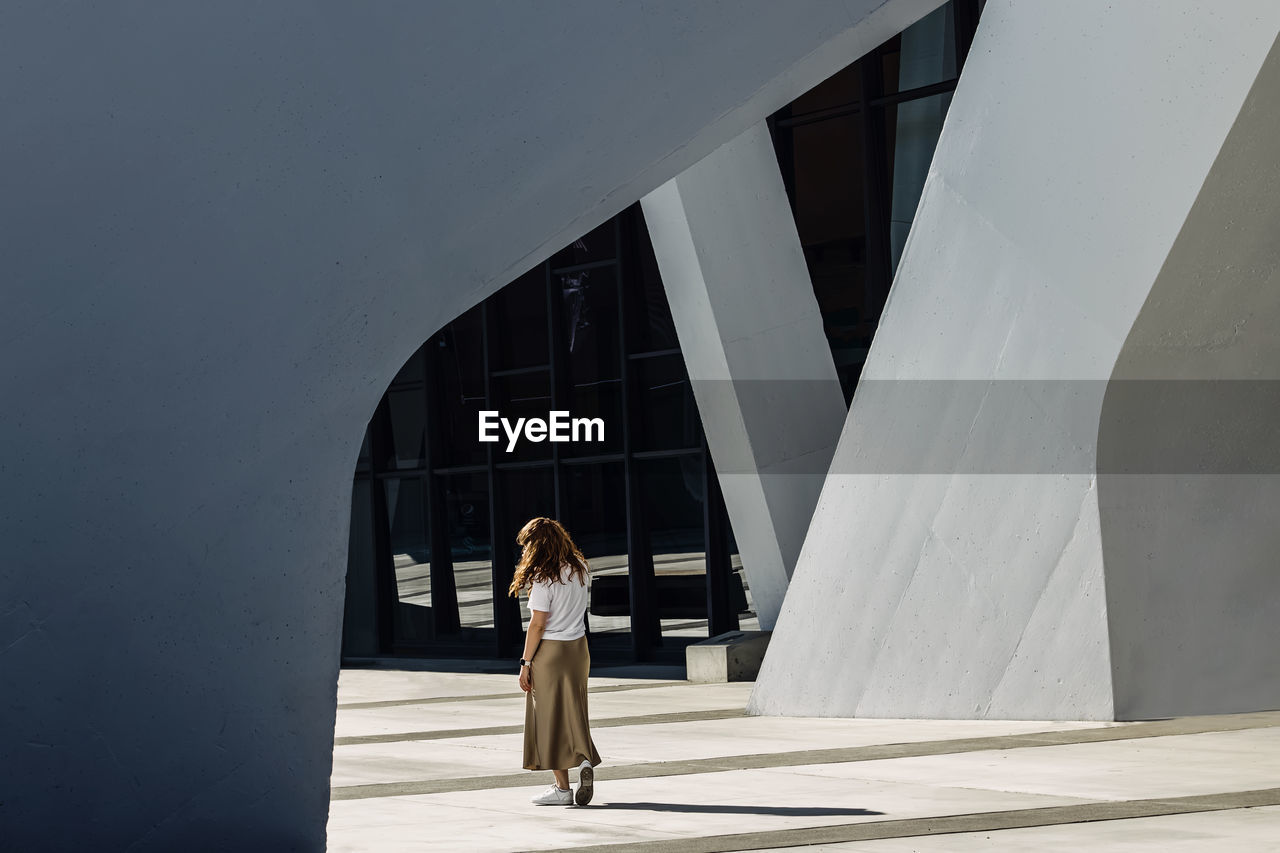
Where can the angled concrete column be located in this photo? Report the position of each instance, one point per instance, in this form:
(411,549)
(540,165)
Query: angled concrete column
(753,343)
(993,540)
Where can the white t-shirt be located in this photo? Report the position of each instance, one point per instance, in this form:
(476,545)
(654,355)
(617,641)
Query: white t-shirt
(566,603)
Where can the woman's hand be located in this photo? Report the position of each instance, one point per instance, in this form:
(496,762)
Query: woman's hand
(526,678)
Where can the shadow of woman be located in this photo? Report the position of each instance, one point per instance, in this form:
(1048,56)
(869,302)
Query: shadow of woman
(781,811)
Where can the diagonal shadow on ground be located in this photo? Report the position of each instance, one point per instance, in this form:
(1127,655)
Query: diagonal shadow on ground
(781,811)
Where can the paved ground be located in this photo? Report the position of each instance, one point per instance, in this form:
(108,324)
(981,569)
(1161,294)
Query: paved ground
(431,761)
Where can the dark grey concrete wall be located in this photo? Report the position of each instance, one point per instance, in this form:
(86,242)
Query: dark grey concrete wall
(224,227)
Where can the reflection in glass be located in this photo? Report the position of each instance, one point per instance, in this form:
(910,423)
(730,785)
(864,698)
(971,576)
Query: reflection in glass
(925,53)
(520,318)
(914,127)
(467,514)
(526,493)
(359,620)
(673,498)
(595,512)
(831,221)
(599,245)
(522,395)
(589,306)
(410,557)
(408,414)
(649,324)
(748,618)
(589,309)
(460,353)
(668,417)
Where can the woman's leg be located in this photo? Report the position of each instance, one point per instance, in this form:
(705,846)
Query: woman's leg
(562,779)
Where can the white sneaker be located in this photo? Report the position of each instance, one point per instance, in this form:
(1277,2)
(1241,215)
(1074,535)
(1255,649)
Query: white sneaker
(586,783)
(553,796)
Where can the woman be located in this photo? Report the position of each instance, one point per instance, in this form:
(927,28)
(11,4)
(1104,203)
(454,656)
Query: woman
(553,669)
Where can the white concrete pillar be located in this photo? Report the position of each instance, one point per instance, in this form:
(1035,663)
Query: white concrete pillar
(752,338)
(973,553)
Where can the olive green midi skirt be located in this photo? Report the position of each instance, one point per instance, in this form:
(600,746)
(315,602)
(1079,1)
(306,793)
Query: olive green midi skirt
(557,733)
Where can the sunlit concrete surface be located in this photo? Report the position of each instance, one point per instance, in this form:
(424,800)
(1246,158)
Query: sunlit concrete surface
(1020,520)
(1238,830)
(751,335)
(684,770)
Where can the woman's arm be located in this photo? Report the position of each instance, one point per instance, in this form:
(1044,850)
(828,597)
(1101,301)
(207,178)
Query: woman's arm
(537,626)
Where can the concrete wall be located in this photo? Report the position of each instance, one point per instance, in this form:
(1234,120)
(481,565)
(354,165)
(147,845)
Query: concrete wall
(955,566)
(1189,449)
(225,227)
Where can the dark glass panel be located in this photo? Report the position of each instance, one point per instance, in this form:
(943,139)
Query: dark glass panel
(911,129)
(831,221)
(523,395)
(467,514)
(649,324)
(520,322)
(673,496)
(460,353)
(359,622)
(411,558)
(589,308)
(667,415)
(526,493)
(829,183)
(600,400)
(748,619)
(923,54)
(408,415)
(599,245)
(594,510)
(840,89)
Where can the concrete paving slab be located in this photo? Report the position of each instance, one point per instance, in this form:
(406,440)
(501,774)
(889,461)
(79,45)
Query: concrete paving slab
(508,711)
(676,807)
(695,784)
(405,824)
(359,686)
(1237,830)
(712,738)
(637,744)
(1174,766)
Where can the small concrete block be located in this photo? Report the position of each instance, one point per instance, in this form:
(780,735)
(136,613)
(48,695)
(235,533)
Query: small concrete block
(735,656)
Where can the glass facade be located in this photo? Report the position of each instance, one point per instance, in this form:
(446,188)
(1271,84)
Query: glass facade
(854,153)
(435,511)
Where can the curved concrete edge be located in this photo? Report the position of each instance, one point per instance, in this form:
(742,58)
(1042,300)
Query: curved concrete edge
(227,226)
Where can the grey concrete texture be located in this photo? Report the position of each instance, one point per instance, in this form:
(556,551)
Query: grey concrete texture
(1075,245)
(677,779)
(734,656)
(226,226)
(751,336)
(1193,591)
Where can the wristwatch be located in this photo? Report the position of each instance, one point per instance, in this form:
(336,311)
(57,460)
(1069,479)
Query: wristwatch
(527,663)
